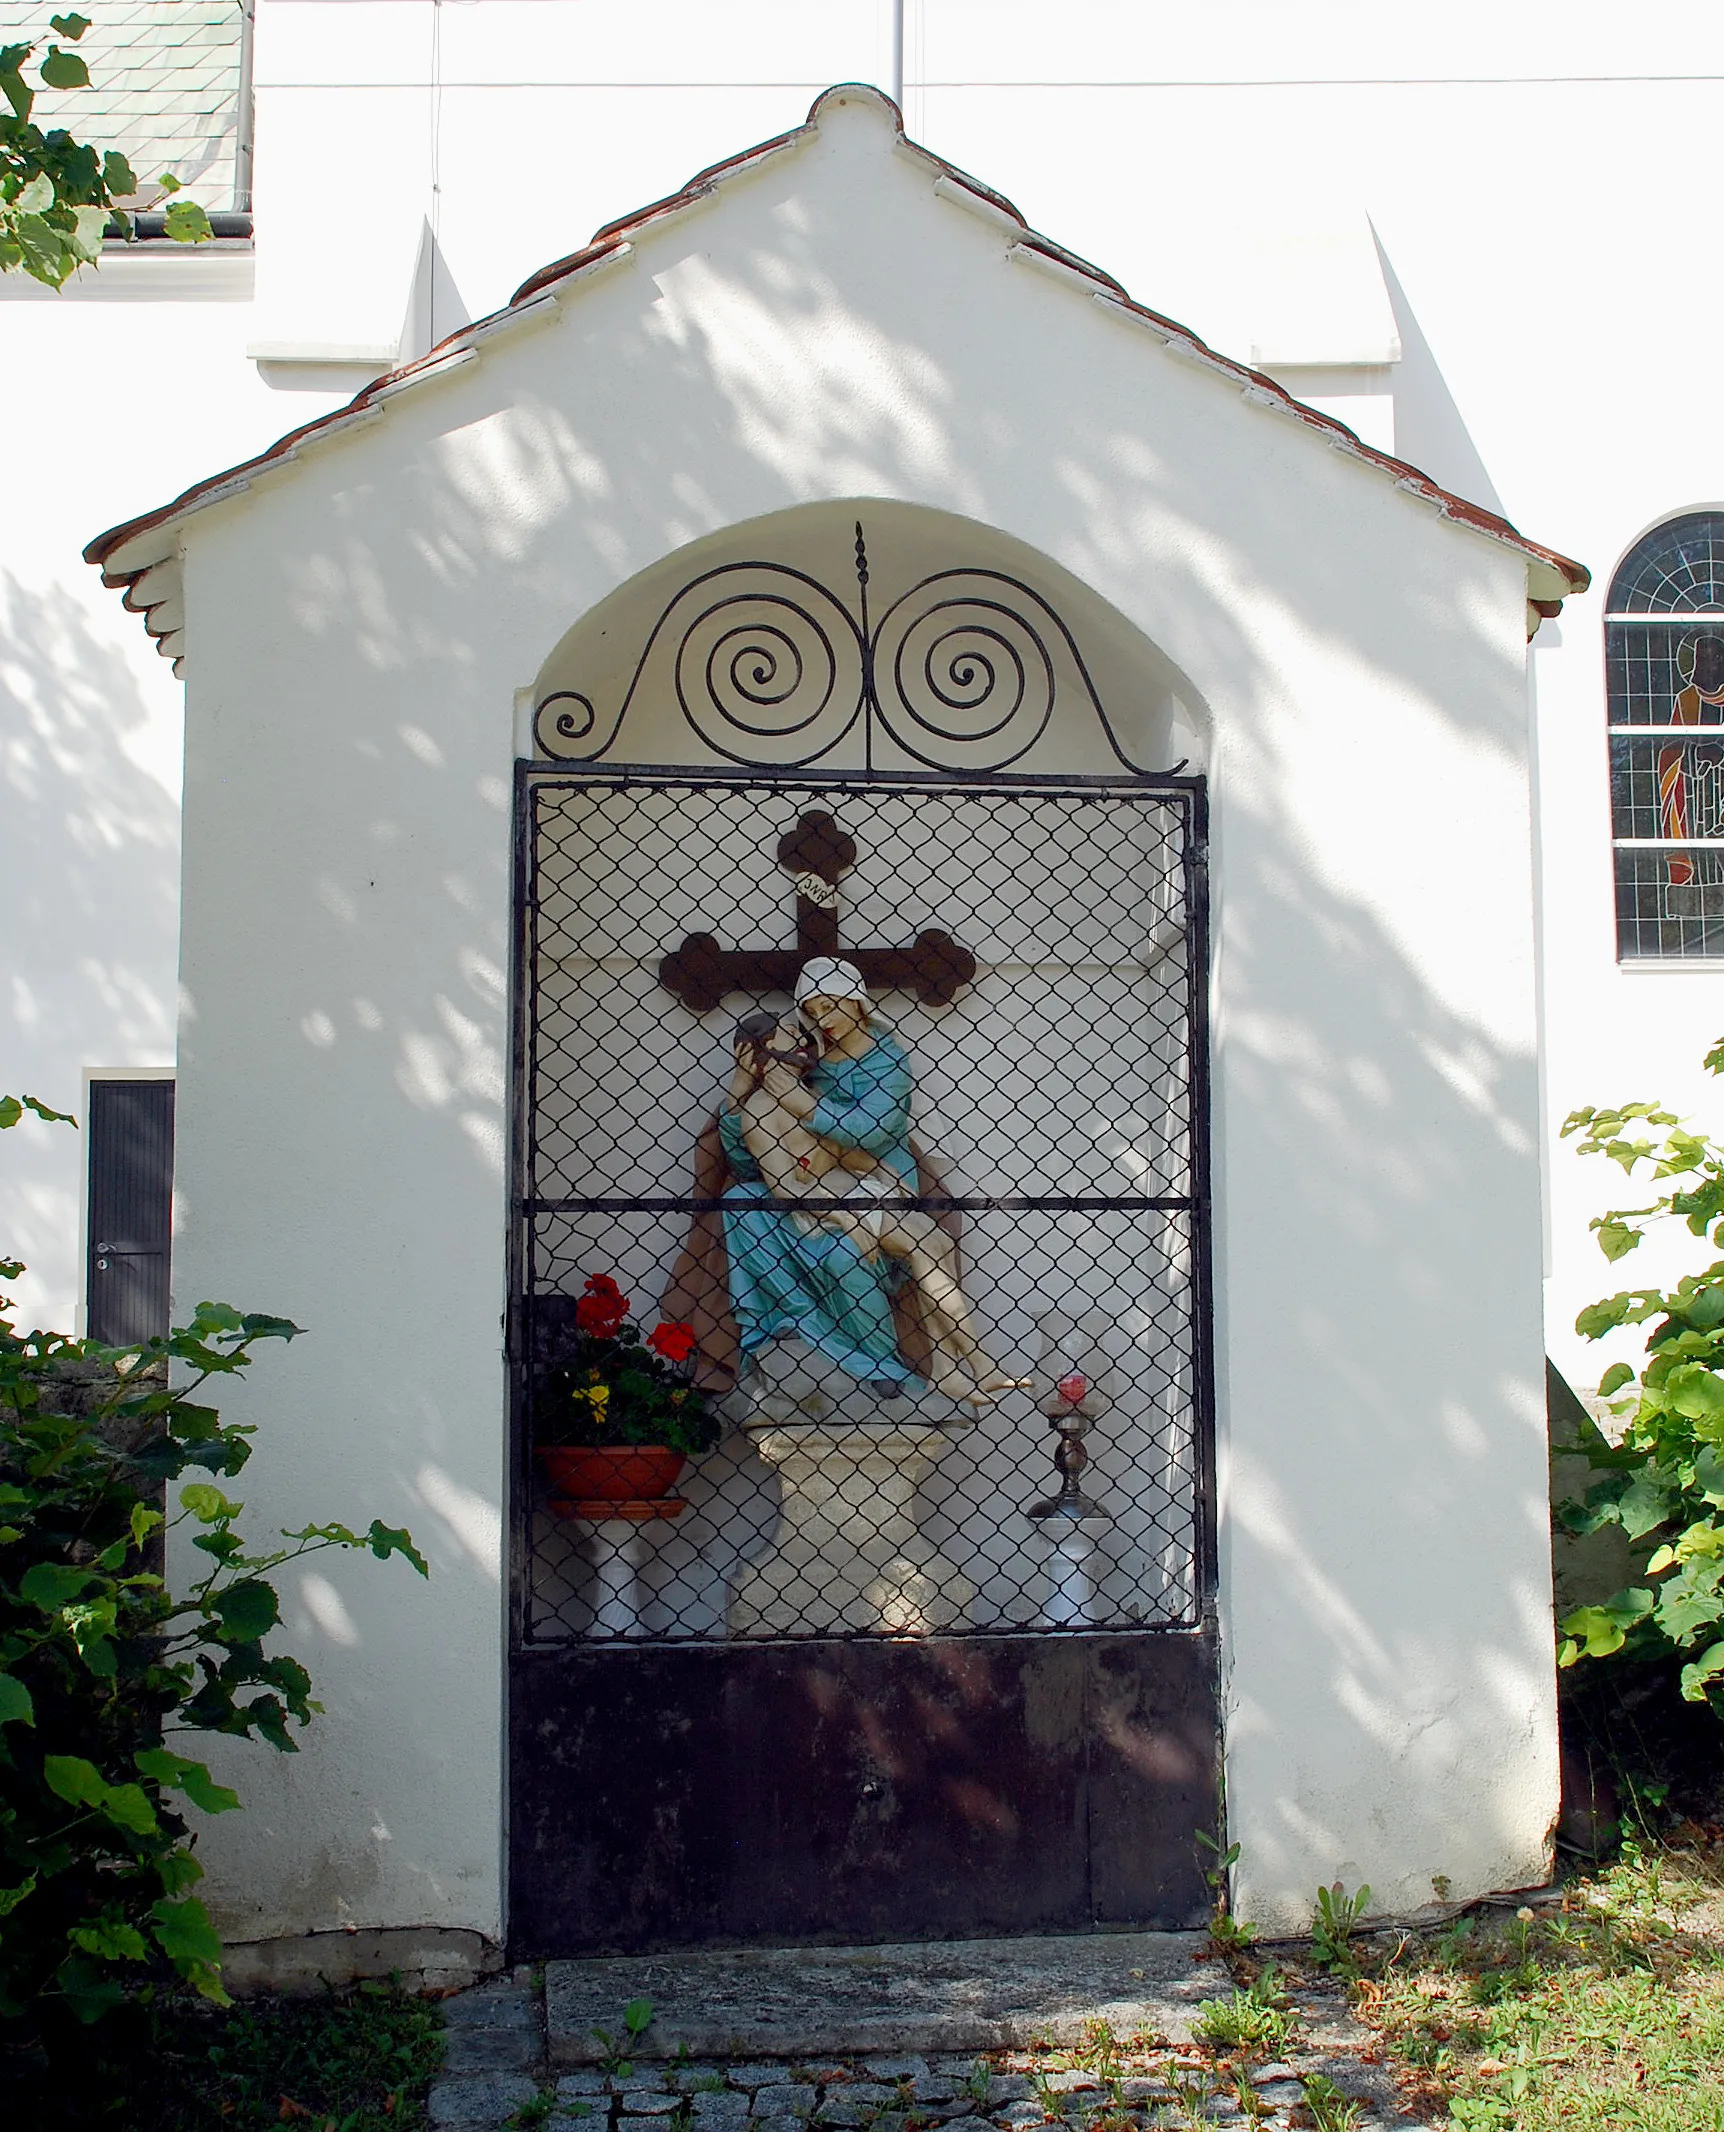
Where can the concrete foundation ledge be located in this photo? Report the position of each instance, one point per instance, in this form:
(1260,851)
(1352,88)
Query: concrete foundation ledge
(428,1958)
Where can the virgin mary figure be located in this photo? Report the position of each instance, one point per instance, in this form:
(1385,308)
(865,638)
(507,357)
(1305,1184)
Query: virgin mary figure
(818,1113)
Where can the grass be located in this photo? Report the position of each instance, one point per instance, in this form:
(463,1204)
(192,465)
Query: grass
(1254,2020)
(1604,2016)
(358,2061)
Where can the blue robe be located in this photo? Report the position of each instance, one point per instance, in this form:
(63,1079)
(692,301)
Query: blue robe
(819,1286)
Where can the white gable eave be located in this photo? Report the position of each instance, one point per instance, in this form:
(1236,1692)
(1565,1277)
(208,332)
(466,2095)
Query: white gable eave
(144,555)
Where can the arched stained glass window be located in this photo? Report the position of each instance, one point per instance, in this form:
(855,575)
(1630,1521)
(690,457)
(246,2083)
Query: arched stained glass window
(1664,663)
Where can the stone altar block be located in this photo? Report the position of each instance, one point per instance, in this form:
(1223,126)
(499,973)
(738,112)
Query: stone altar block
(848,1556)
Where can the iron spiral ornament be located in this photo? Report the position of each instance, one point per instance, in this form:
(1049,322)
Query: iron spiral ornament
(771,670)
(959,667)
(768,668)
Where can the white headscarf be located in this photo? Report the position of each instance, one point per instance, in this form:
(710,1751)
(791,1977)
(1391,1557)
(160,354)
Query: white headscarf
(826,977)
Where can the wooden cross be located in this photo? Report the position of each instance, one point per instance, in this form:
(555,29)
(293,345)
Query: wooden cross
(817,852)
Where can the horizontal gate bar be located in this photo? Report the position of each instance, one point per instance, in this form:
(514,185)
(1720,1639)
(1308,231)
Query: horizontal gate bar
(1068,1204)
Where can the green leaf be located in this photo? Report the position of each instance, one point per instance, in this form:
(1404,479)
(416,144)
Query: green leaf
(387,1540)
(1705,1308)
(16,1708)
(118,177)
(1702,1542)
(259,1326)
(183,1931)
(207,1503)
(20,96)
(53,1585)
(70,1777)
(1603,1629)
(186,223)
(89,1994)
(246,1611)
(1690,1602)
(1646,1502)
(111,1939)
(64,70)
(1599,1318)
(1705,1668)
(128,1806)
(71,27)
(193,1424)
(10,1898)
(35,199)
(49,1117)
(192,1778)
(81,1783)
(89,226)
(1696,1393)
(1709,1476)
(1616,1239)
(1614,1379)
(177,1871)
(91,1631)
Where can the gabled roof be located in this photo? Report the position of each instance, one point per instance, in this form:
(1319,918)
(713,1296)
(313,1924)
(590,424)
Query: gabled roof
(143,554)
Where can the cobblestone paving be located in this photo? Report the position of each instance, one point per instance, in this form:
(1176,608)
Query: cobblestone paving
(496,2075)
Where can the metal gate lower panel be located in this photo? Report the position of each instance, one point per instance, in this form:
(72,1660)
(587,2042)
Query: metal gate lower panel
(830,1697)
(860,1791)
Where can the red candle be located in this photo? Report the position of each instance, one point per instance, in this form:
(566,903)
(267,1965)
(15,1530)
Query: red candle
(1072,1389)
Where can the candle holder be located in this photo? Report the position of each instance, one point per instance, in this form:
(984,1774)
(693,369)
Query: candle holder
(1070,1409)
(1071,1520)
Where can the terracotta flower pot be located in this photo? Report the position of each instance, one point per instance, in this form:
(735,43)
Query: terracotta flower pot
(611,1473)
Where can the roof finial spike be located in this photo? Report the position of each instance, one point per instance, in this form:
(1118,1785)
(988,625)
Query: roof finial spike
(861,558)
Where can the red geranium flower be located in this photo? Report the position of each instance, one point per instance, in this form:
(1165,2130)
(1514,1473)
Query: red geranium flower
(674,1342)
(602,1307)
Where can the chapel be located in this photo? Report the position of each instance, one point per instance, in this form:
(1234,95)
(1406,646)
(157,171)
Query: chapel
(789,830)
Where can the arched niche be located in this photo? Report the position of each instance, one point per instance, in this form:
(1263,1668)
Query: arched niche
(864,635)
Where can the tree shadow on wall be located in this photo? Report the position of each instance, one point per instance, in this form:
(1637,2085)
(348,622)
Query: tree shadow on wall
(89,879)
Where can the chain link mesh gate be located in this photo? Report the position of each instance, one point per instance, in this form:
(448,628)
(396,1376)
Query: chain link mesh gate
(889,1323)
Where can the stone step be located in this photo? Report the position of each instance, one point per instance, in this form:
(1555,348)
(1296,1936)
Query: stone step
(805,2003)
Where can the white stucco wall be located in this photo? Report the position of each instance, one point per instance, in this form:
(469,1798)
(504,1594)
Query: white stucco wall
(125,383)
(361,623)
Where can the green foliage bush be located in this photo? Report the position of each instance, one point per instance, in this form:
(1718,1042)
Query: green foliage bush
(1663,1482)
(104,1669)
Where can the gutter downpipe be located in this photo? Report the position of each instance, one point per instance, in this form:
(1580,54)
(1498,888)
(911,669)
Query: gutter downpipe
(898,53)
(244,128)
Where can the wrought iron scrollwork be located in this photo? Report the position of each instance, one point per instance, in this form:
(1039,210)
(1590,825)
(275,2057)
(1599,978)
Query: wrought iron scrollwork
(771,670)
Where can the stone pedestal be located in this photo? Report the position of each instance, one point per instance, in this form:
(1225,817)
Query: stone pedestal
(848,1555)
(616,1541)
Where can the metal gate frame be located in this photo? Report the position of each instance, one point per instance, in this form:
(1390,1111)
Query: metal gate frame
(695,1840)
